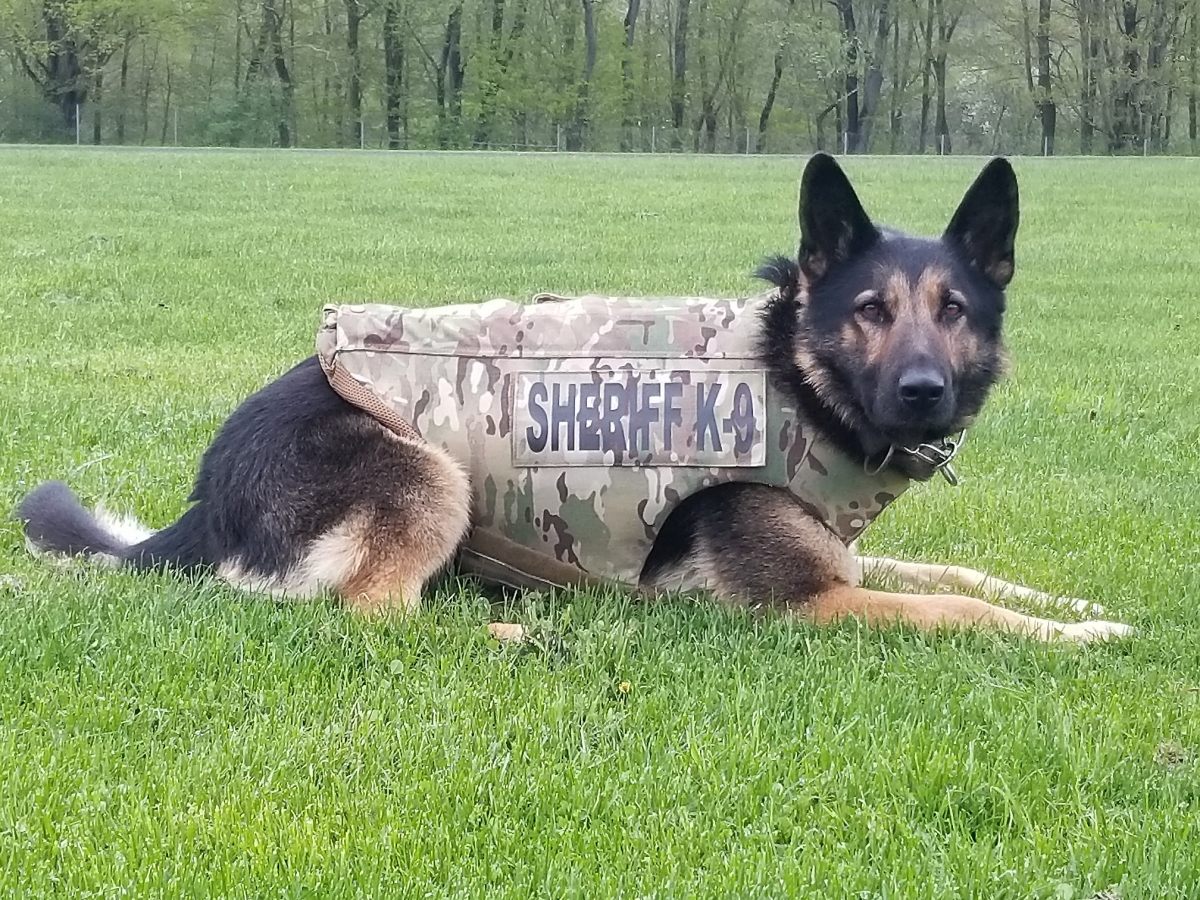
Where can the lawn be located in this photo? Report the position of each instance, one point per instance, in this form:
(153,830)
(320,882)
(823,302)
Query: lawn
(161,737)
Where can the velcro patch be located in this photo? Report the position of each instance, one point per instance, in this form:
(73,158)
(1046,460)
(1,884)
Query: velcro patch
(612,416)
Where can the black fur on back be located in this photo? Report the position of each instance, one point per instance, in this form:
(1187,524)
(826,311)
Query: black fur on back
(282,470)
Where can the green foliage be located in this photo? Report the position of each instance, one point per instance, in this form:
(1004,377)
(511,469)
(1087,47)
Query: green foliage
(523,72)
(164,737)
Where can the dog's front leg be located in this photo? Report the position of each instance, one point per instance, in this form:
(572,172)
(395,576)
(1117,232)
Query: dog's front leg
(927,575)
(933,611)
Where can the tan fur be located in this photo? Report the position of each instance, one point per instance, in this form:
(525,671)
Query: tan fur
(816,376)
(379,560)
(933,611)
(390,583)
(399,556)
(1000,272)
(327,562)
(927,295)
(915,312)
(925,575)
(824,559)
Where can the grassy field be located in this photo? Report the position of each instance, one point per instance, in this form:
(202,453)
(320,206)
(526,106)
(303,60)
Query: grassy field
(170,738)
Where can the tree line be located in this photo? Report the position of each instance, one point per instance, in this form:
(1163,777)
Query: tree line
(744,76)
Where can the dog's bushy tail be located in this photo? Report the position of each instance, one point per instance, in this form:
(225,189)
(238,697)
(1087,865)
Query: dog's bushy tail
(56,522)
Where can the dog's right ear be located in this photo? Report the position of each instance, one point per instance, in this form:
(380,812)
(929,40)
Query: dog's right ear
(833,224)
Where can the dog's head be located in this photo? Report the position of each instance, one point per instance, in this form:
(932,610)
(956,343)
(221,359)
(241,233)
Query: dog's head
(901,336)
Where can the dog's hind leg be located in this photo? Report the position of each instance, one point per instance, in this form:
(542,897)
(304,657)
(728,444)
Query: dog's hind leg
(410,533)
(928,575)
(933,611)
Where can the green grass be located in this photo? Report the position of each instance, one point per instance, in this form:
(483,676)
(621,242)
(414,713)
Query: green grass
(162,737)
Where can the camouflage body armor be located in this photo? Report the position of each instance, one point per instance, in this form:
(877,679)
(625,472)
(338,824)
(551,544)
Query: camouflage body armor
(583,422)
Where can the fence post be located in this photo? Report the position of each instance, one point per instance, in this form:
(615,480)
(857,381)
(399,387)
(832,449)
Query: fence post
(942,144)
(77,124)
(653,136)
(177,126)
(846,143)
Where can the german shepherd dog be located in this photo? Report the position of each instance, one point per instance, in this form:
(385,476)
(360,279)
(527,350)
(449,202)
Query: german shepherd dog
(887,342)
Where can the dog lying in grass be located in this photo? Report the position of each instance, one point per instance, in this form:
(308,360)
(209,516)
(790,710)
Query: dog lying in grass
(868,357)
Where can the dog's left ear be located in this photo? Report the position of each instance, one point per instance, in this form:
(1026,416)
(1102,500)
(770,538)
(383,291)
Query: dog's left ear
(984,227)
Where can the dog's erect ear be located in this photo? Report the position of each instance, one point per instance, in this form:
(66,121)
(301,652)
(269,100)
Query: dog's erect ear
(984,227)
(833,224)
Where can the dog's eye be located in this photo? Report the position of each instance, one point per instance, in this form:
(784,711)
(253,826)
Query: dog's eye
(952,310)
(872,311)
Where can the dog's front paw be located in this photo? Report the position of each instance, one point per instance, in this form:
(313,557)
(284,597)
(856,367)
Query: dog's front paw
(507,633)
(1082,607)
(1096,630)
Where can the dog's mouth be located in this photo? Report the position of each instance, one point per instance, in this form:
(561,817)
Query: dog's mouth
(893,424)
(916,446)
(890,436)
(919,459)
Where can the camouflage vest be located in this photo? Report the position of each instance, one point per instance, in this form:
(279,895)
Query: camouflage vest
(583,422)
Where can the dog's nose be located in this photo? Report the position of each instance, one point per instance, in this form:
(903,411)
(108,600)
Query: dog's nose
(921,389)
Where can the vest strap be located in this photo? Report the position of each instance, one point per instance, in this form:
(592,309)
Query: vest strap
(361,396)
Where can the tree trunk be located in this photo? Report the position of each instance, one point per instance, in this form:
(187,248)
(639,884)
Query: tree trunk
(946,26)
(393,63)
(166,106)
(834,107)
(56,67)
(899,83)
(873,86)
(582,111)
(1089,43)
(355,13)
(765,116)
(1027,49)
(285,81)
(331,93)
(1194,42)
(702,74)
(455,68)
(270,42)
(845,10)
(1047,109)
(926,73)
(1160,79)
(483,127)
(1125,129)
(627,120)
(147,83)
(237,49)
(123,85)
(777,75)
(212,69)
(97,109)
(521,117)
(942,128)
(679,75)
